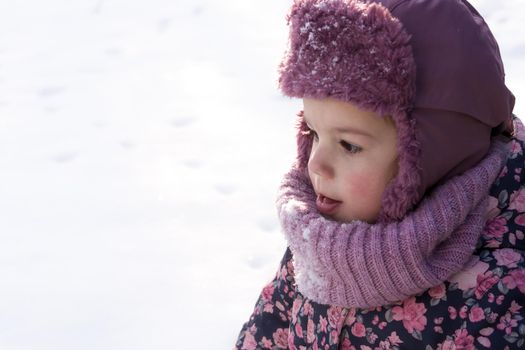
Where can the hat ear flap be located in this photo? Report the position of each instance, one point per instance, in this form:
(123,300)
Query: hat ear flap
(304,141)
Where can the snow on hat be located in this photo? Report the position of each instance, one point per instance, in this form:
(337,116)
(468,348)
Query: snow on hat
(432,65)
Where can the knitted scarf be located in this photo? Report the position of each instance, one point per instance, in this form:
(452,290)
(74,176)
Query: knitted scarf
(357,264)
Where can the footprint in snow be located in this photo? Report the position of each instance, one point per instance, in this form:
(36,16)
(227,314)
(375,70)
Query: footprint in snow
(51,109)
(51,91)
(65,157)
(113,51)
(192,163)
(181,122)
(518,50)
(163,25)
(127,144)
(267,224)
(225,189)
(198,10)
(99,124)
(256,262)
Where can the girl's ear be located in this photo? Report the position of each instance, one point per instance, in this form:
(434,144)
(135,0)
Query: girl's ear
(304,141)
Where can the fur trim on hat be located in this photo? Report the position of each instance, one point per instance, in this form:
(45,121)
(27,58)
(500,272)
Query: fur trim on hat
(359,53)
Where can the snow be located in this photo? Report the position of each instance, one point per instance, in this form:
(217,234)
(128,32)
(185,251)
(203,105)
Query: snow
(142,144)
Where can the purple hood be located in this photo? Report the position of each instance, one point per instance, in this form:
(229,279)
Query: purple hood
(433,65)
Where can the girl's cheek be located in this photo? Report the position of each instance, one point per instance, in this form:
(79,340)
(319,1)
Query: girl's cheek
(366,187)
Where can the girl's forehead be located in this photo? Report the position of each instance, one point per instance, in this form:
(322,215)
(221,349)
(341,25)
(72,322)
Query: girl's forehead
(343,116)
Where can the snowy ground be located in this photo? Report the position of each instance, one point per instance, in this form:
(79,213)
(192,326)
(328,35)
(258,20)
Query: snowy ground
(141,145)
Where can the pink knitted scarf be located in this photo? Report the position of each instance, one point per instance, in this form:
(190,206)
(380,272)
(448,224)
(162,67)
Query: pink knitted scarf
(357,264)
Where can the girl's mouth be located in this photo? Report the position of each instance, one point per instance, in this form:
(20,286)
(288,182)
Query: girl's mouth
(326,205)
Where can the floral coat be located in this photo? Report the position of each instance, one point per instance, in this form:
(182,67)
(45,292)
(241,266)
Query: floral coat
(481,307)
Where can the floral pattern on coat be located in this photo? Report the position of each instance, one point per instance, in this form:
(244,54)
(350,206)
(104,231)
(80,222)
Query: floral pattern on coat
(481,307)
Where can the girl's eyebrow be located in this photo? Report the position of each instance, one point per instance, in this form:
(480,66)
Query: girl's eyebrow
(350,130)
(344,130)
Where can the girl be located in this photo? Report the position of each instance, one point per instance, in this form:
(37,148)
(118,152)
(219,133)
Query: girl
(405,210)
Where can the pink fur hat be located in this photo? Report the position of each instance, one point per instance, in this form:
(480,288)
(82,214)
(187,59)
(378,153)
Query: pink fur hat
(429,64)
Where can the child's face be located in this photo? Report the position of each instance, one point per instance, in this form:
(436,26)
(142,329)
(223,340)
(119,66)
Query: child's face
(353,158)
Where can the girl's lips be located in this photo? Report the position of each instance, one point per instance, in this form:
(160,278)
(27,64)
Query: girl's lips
(326,205)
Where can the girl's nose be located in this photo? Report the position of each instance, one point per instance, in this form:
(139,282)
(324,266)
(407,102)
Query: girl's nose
(319,162)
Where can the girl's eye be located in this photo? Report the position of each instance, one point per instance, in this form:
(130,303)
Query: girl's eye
(351,148)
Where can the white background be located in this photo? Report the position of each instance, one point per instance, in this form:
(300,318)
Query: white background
(141,146)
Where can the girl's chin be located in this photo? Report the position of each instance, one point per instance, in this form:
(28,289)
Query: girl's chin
(337,216)
(348,218)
